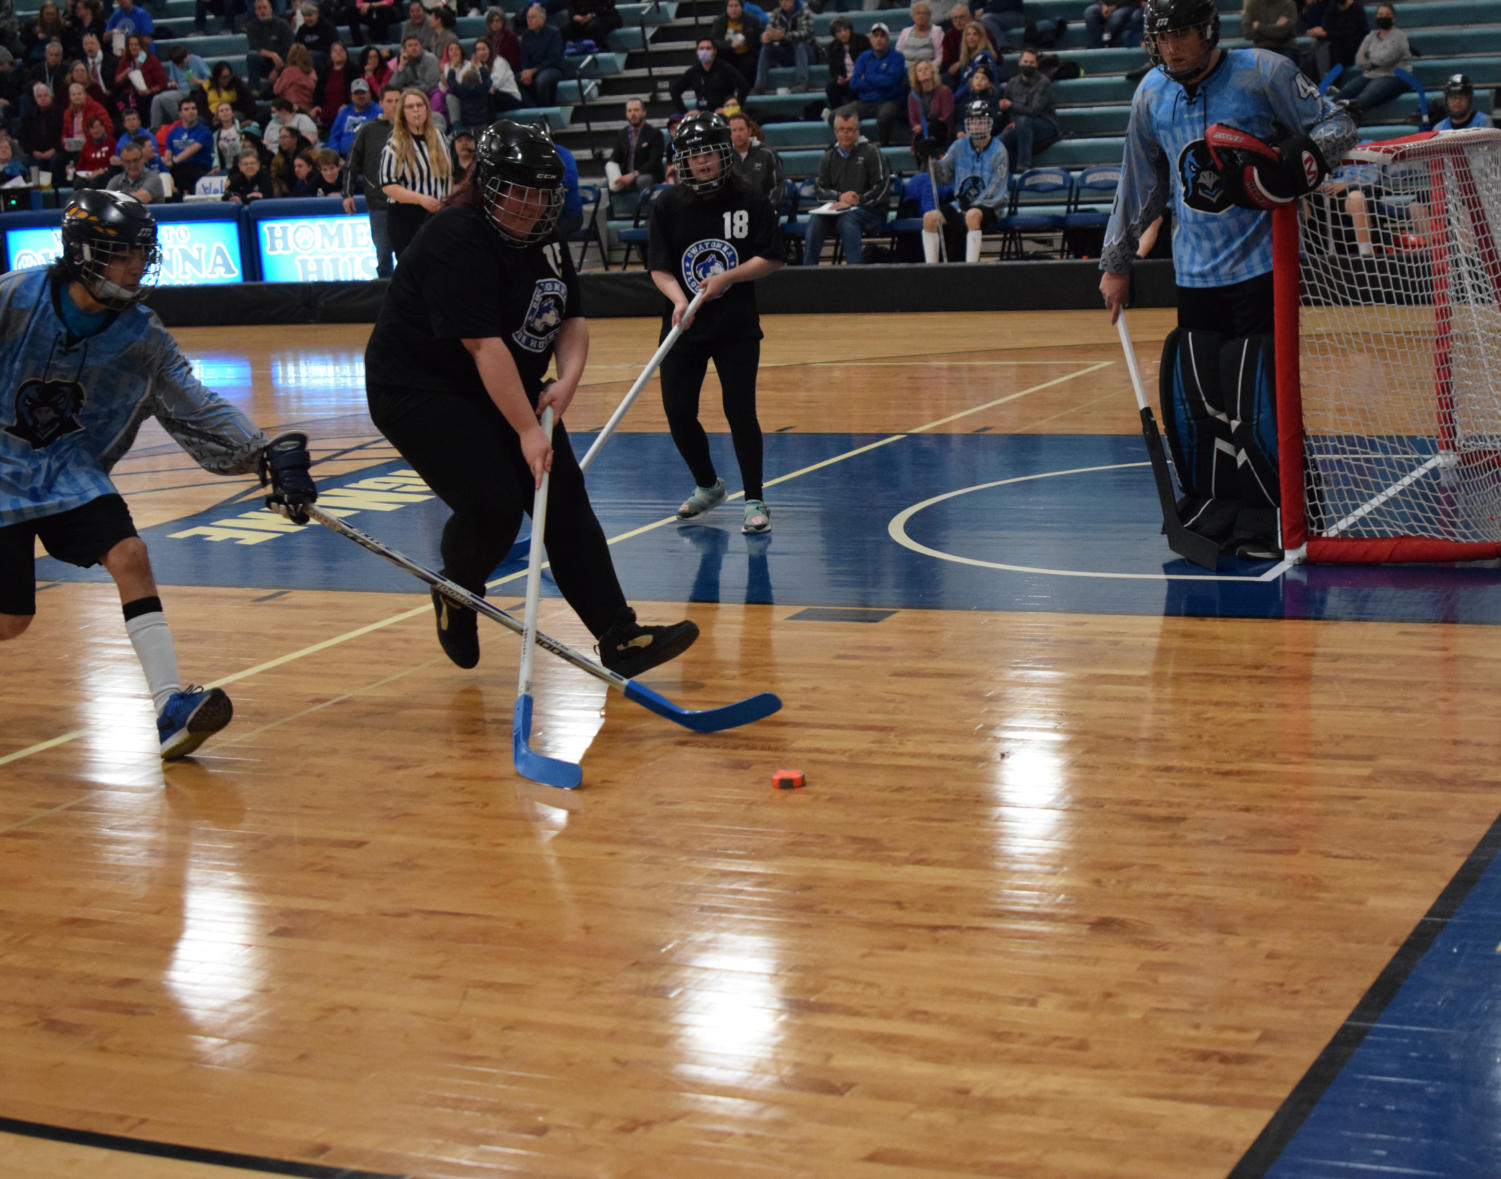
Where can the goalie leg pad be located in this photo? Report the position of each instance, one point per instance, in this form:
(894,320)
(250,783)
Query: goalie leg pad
(1195,416)
(1246,370)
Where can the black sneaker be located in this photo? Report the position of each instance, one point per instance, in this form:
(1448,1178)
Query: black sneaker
(458,633)
(628,649)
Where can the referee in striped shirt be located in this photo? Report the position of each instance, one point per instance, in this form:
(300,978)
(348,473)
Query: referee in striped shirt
(415,170)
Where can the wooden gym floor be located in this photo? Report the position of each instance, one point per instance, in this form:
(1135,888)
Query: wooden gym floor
(1074,890)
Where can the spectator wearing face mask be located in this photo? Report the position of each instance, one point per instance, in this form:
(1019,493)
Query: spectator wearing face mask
(1028,103)
(1384,51)
(712,80)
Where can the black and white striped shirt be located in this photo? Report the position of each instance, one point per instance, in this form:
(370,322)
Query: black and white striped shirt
(419,177)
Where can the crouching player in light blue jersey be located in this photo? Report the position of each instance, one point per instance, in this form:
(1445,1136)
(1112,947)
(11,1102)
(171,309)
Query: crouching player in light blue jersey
(83,365)
(1225,136)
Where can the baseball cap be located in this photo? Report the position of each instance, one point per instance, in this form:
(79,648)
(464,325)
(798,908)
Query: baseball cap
(880,27)
(359,84)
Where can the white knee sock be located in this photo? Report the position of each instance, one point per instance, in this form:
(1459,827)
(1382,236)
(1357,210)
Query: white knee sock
(929,246)
(972,245)
(152,639)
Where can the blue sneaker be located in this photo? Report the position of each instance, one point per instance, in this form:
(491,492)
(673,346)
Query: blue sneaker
(702,499)
(191,717)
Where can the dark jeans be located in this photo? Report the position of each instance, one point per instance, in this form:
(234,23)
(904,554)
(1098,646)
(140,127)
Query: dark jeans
(1024,137)
(888,116)
(380,234)
(849,225)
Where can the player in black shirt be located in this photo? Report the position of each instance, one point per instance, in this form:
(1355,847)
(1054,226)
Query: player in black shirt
(485,296)
(712,230)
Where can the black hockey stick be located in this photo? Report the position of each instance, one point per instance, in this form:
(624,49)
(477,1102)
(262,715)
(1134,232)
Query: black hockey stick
(1190,545)
(704,720)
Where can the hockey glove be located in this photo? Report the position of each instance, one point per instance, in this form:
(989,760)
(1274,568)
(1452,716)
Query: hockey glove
(1259,175)
(925,148)
(284,467)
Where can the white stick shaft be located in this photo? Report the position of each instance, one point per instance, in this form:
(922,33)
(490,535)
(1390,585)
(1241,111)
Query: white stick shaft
(651,366)
(534,570)
(943,245)
(1130,351)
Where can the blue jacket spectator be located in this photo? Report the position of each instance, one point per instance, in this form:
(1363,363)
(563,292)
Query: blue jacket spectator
(351,117)
(130,19)
(572,216)
(879,84)
(541,59)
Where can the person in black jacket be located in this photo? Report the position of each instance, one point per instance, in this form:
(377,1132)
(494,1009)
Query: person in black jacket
(592,20)
(712,80)
(737,35)
(842,52)
(636,161)
(250,181)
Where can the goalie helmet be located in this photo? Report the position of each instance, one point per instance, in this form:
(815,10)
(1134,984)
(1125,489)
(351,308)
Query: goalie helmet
(1167,17)
(979,123)
(101,227)
(520,174)
(702,136)
(1459,84)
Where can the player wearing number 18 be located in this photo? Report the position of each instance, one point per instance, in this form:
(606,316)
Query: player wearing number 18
(713,232)
(1226,135)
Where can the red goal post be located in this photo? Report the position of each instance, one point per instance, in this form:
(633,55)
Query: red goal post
(1388,351)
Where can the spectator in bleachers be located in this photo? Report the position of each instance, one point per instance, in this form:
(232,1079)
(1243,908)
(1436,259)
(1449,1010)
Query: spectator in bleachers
(976,166)
(930,104)
(541,59)
(1337,27)
(10,167)
(504,92)
(269,39)
(416,171)
(1028,103)
(77,115)
(571,219)
(974,54)
(52,69)
(362,176)
(227,138)
(879,83)
(737,37)
(450,60)
(376,68)
(334,79)
(442,20)
(960,18)
(284,114)
(127,18)
(1459,100)
(1115,24)
(130,123)
(376,17)
(47,26)
(922,40)
(298,82)
(463,156)
(90,168)
(844,49)
(185,73)
(417,25)
(360,110)
(753,161)
(504,43)
(712,80)
(1384,50)
(469,97)
(592,20)
(289,145)
(139,77)
(787,38)
(1271,25)
(190,148)
(101,67)
(636,159)
(982,88)
(305,176)
(317,33)
(250,181)
(135,178)
(854,175)
(417,69)
(85,20)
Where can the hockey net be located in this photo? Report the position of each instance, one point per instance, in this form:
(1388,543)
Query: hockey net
(1389,355)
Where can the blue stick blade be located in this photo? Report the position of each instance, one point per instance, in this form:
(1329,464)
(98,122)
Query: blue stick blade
(550,771)
(705,720)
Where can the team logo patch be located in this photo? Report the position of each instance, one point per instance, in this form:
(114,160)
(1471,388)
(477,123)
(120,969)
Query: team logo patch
(703,260)
(46,411)
(1204,188)
(544,317)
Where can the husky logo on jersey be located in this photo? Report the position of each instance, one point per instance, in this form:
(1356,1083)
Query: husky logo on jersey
(544,317)
(1204,188)
(46,411)
(703,260)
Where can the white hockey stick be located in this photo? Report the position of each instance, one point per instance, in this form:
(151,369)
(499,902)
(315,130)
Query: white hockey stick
(635,390)
(550,771)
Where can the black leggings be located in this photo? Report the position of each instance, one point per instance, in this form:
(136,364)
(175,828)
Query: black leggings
(402,223)
(1241,309)
(682,375)
(466,451)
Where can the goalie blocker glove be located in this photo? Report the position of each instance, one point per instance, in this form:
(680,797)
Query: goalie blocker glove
(1259,175)
(284,467)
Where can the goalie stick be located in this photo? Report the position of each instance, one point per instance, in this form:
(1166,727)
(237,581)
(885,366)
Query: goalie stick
(1192,546)
(635,390)
(705,720)
(550,771)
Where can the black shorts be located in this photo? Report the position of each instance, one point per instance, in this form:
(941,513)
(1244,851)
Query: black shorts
(79,536)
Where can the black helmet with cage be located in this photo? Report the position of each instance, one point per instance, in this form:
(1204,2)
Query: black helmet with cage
(520,175)
(1166,17)
(979,122)
(100,227)
(1459,84)
(705,134)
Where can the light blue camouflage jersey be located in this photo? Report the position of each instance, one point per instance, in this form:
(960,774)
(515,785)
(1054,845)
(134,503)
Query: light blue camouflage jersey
(1215,243)
(70,407)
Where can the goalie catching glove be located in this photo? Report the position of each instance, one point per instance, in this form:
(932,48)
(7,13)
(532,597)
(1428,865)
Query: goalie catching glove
(284,468)
(1259,175)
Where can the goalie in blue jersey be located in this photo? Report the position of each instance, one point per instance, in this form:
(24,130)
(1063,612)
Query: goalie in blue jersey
(84,364)
(1224,136)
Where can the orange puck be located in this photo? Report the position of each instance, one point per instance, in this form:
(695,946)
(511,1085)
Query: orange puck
(788,779)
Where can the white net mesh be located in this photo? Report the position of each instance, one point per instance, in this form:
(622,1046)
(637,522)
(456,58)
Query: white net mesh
(1400,342)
